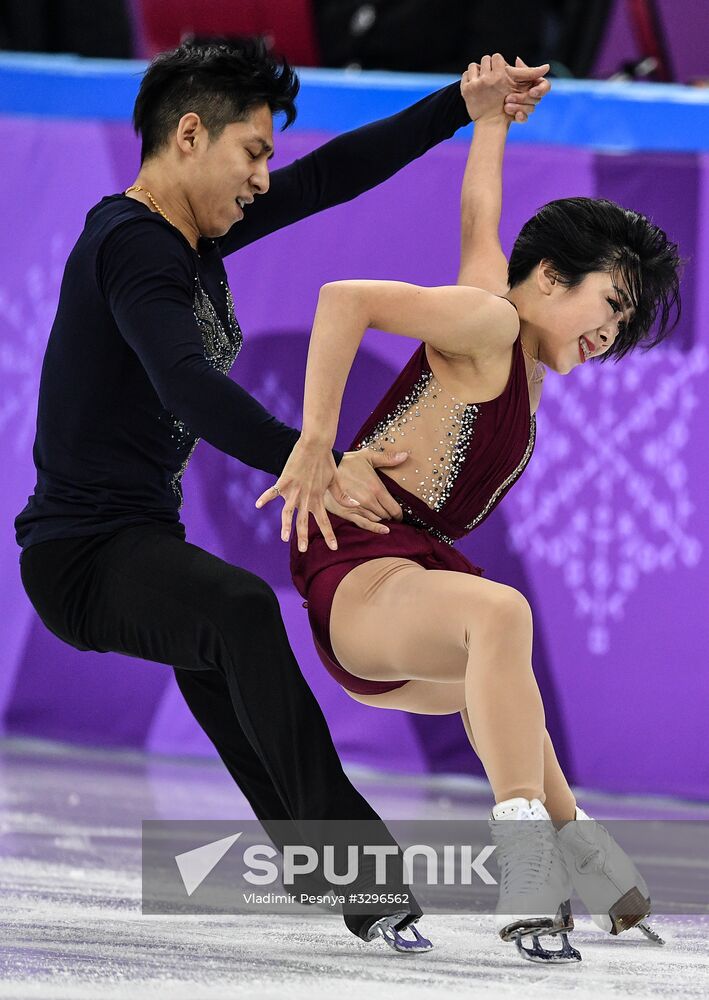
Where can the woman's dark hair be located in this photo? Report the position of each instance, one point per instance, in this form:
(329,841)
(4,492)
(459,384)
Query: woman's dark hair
(222,82)
(580,235)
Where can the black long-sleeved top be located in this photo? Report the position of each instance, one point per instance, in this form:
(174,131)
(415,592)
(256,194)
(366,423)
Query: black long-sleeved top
(137,362)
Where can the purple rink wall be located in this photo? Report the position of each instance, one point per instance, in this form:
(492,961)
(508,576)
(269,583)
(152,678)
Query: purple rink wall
(604,533)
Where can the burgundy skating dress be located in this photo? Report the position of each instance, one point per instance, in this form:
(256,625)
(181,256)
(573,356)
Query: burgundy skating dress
(466,456)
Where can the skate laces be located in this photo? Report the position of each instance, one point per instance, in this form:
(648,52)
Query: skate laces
(525,853)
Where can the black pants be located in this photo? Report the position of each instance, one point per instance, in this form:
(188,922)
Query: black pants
(146,592)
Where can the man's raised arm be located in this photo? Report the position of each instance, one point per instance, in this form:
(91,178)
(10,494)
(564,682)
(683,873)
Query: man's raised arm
(349,164)
(359,160)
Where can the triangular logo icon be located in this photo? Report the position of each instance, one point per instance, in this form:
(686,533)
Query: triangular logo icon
(195,865)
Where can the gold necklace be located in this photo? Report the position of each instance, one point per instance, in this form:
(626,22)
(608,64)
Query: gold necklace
(137,187)
(538,372)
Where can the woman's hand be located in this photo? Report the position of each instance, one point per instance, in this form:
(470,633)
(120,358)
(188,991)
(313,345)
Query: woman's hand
(369,523)
(493,88)
(356,477)
(308,473)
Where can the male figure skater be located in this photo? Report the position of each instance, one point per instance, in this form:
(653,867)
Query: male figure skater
(135,372)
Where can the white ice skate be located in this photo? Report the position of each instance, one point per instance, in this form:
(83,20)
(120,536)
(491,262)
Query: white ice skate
(535,884)
(608,883)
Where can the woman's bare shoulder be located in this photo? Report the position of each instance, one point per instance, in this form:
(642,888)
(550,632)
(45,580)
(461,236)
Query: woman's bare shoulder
(496,325)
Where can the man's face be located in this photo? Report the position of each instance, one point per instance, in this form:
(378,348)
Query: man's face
(227,173)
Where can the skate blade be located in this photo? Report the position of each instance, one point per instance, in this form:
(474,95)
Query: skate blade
(649,932)
(386,929)
(628,911)
(567,953)
(563,922)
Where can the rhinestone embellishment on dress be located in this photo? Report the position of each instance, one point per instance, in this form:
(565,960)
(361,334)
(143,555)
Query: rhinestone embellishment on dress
(221,348)
(434,486)
(418,522)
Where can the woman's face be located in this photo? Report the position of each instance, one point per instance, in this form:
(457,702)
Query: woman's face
(579,323)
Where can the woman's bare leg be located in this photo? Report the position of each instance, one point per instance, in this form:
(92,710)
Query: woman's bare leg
(559,800)
(434,698)
(393,620)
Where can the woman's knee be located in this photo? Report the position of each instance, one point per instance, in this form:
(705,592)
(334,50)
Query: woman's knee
(501,612)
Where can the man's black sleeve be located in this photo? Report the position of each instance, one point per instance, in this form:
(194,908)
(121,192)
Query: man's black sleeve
(147,281)
(348,165)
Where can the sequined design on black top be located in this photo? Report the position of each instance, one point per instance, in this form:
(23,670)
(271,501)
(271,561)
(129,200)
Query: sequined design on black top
(221,348)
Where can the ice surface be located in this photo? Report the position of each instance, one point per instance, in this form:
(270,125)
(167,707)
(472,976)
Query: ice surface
(71,926)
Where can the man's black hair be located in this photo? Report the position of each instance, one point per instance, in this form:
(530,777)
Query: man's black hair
(220,81)
(580,235)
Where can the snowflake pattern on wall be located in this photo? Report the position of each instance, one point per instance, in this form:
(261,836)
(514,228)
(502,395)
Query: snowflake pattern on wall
(26,316)
(244,485)
(606,497)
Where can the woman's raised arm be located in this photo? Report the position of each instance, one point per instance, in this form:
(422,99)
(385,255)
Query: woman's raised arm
(482,262)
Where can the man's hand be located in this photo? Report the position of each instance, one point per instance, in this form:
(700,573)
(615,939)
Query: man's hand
(312,483)
(493,87)
(308,473)
(522,101)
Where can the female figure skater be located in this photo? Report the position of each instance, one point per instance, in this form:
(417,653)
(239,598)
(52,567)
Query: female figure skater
(401,619)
